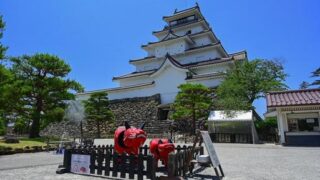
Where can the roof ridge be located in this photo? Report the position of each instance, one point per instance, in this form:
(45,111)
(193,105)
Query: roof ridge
(291,91)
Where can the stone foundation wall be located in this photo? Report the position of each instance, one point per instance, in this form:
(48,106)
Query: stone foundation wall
(138,110)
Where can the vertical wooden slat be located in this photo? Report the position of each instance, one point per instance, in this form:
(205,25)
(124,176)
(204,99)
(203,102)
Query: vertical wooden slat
(107,162)
(115,165)
(123,166)
(140,167)
(132,164)
(99,160)
(92,160)
(67,159)
(172,165)
(145,150)
(149,166)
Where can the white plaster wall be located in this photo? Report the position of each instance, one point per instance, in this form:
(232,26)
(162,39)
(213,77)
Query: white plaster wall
(166,83)
(194,29)
(140,92)
(150,52)
(198,56)
(208,82)
(212,69)
(134,81)
(202,40)
(173,48)
(154,64)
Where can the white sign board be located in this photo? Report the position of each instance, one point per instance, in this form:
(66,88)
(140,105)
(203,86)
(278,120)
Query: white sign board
(80,163)
(209,145)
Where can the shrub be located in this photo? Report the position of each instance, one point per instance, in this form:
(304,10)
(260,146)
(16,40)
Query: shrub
(18,150)
(2,127)
(11,140)
(267,126)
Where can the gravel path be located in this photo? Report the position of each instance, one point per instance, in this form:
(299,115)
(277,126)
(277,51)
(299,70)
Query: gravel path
(239,161)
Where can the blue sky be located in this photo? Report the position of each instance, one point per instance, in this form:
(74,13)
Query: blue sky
(98,37)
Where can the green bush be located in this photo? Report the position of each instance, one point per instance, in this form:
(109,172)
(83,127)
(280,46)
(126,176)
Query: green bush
(2,127)
(20,126)
(267,126)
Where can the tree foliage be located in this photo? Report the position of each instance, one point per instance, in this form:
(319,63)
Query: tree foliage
(97,110)
(2,47)
(192,103)
(5,80)
(40,87)
(248,81)
(316,74)
(304,85)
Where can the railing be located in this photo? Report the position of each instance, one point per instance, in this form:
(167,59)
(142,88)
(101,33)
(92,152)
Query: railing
(105,161)
(179,162)
(231,138)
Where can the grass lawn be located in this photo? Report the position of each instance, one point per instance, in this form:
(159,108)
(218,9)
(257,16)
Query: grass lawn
(23,143)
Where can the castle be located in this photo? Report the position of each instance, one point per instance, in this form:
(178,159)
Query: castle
(187,51)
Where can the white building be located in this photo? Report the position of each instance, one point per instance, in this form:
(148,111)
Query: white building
(298,114)
(187,51)
(234,127)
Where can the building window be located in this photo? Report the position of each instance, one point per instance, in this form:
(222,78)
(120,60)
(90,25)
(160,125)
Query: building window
(306,124)
(182,20)
(163,113)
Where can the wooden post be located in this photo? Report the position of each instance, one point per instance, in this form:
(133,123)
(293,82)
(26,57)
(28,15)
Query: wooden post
(100,160)
(131,165)
(67,160)
(115,165)
(123,166)
(172,165)
(140,167)
(92,160)
(107,162)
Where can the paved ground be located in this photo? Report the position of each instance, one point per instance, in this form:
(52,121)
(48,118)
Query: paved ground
(239,161)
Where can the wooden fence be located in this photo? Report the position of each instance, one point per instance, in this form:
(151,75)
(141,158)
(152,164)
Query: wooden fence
(179,162)
(231,138)
(104,161)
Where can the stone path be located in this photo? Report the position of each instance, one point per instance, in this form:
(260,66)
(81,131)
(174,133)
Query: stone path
(239,161)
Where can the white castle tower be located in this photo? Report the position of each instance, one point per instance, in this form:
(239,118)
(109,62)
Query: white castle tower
(187,51)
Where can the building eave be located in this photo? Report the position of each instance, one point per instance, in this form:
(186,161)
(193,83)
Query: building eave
(194,49)
(134,75)
(152,44)
(169,60)
(178,14)
(181,26)
(187,36)
(118,88)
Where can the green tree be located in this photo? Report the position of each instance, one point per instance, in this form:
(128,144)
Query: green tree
(248,81)
(316,74)
(2,47)
(304,85)
(5,79)
(192,103)
(97,110)
(40,87)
